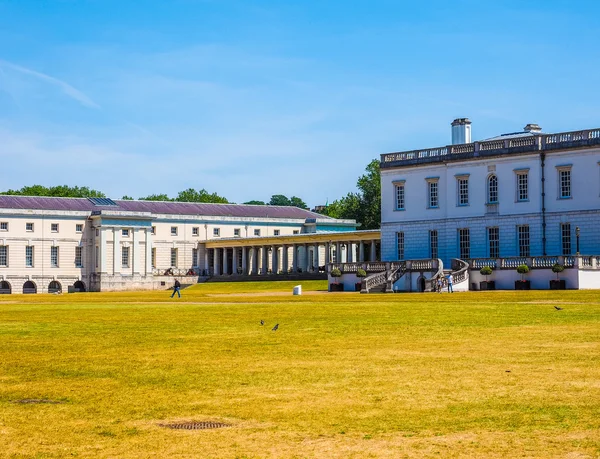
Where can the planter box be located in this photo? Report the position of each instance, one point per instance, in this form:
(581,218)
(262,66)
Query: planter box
(558,284)
(523,285)
(358,287)
(487,285)
(336,287)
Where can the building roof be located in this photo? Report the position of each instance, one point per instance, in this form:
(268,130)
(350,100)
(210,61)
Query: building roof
(514,135)
(158,207)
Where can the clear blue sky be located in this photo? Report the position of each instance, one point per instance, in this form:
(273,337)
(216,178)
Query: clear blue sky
(254,98)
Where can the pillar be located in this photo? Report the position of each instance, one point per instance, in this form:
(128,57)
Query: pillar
(306,259)
(274,259)
(327,254)
(316,258)
(234,268)
(116,250)
(225,264)
(338,252)
(361,251)
(284,259)
(216,262)
(137,256)
(148,251)
(205,260)
(265,260)
(294,258)
(244,261)
(373,252)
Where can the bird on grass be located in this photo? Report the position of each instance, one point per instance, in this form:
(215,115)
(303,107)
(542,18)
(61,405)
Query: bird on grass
(275,327)
(557,308)
(262,322)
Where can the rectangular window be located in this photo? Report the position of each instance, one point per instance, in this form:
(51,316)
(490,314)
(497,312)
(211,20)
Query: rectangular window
(4,256)
(54,227)
(216,232)
(296,232)
(493,234)
(464,243)
(462,185)
(523,239)
(173,258)
(194,257)
(236,232)
(125,257)
(54,256)
(3,226)
(257,232)
(522,186)
(564,180)
(125,232)
(78,257)
(400,196)
(153,261)
(565,233)
(153,230)
(432,194)
(276,232)
(29,256)
(29,227)
(433,244)
(173,231)
(400,245)
(195,231)
(79,228)
(97,256)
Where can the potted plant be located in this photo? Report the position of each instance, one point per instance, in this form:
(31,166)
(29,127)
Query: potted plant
(336,286)
(486,285)
(558,284)
(361,274)
(522,284)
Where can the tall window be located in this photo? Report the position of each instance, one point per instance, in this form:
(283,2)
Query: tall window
(433,244)
(153,261)
(78,257)
(400,241)
(29,256)
(523,239)
(493,234)
(432,194)
(125,257)
(174,258)
(3,255)
(565,233)
(54,256)
(522,185)
(194,257)
(492,189)
(464,243)
(400,196)
(564,182)
(462,184)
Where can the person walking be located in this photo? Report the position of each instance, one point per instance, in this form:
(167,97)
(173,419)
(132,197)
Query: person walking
(176,288)
(450,280)
(440,284)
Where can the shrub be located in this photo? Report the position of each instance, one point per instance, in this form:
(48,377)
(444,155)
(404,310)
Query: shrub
(557,268)
(522,269)
(335,272)
(485,271)
(361,273)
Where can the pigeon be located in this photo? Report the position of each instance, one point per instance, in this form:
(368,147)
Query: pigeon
(275,327)
(557,308)
(262,322)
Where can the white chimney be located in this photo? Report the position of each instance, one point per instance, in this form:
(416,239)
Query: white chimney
(461,131)
(533,128)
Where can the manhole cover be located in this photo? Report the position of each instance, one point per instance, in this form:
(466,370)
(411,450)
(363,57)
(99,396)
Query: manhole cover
(195,425)
(36,400)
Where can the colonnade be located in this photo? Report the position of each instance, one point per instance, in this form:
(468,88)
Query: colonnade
(285,258)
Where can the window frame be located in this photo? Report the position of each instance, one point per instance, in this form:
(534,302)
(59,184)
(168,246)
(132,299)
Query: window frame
(79,227)
(493,243)
(521,185)
(464,236)
(566,240)
(433,192)
(257,232)
(567,170)
(492,189)
(276,232)
(4,248)
(400,245)
(125,257)
(174,256)
(524,235)
(125,232)
(29,258)
(216,232)
(54,256)
(29,227)
(237,232)
(174,230)
(462,190)
(3,226)
(434,247)
(399,195)
(78,256)
(54,227)
(195,231)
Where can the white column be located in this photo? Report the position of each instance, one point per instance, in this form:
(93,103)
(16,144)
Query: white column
(206,264)
(373,252)
(284,259)
(116,250)
(338,252)
(316,258)
(361,251)
(137,256)
(306,259)
(148,251)
(102,264)
(254,261)
(216,262)
(265,260)
(225,264)
(274,260)
(234,268)
(327,254)
(244,261)
(294,258)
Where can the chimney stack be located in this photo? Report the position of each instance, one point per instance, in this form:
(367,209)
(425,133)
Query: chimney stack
(533,128)
(461,131)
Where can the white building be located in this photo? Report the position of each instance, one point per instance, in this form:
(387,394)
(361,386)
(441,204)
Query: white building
(526,194)
(48,244)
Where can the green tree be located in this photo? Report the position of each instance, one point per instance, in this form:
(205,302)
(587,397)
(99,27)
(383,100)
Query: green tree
(279,200)
(256,203)
(297,202)
(156,197)
(191,195)
(62,191)
(127,198)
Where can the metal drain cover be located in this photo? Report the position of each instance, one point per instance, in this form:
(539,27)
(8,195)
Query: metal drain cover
(37,400)
(195,425)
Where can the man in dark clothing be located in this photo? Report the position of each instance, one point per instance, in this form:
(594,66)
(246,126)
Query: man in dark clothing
(176,288)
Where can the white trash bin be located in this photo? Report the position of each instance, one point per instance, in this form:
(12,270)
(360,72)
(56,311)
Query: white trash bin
(298,290)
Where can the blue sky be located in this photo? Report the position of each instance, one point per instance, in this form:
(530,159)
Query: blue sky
(255,98)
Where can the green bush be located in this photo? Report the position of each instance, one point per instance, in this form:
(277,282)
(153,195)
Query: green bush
(486,271)
(335,272)
(361,273)
(522,269)
(557,268)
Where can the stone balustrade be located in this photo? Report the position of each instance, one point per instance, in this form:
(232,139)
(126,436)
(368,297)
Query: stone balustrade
(543,262)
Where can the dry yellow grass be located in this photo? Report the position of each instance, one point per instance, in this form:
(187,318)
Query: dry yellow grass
(498,374)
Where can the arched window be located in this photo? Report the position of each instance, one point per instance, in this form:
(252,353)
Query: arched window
(29,287)
(492,189)
(79,286)
(54,287)
(5,288)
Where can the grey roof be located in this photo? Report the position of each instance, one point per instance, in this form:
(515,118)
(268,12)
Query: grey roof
(514,135)
(158,207)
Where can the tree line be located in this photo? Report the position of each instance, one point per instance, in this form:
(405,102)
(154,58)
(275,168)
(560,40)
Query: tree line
(364,206)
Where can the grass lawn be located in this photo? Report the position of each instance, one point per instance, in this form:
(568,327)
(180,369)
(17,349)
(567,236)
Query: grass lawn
(481,374)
